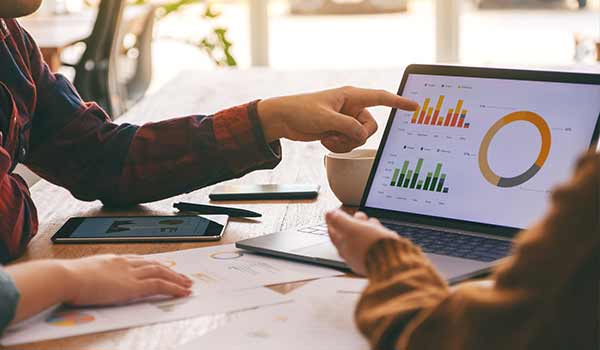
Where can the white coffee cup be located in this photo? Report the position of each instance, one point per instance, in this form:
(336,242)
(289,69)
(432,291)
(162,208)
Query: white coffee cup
(348,173)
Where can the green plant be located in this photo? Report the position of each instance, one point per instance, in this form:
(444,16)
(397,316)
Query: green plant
(215,43)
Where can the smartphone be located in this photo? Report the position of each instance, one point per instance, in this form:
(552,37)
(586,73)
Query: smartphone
(249,192)
(132,229)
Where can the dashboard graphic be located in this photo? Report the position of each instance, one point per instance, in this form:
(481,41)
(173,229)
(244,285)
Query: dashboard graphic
(483,150)
(546,137)
(423,115)
(410,178)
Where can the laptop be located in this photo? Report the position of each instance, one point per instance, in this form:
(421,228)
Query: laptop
(461,176)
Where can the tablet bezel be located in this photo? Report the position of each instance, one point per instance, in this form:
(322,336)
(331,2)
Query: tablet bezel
(63,235)
(468,72)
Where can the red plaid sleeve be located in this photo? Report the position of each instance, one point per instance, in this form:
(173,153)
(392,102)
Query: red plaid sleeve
(75,145)
(18,217)
(184,154)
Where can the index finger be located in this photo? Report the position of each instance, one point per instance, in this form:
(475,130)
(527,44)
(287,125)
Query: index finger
(371,97)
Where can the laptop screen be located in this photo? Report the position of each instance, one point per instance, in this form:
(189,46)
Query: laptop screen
(483,150)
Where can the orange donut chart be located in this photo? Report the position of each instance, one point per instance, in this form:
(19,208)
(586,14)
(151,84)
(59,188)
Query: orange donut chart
(484,165)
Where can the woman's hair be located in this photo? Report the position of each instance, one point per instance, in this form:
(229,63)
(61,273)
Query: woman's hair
(18,8)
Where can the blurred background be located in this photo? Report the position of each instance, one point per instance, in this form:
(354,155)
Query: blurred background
(118,51)
(347,34)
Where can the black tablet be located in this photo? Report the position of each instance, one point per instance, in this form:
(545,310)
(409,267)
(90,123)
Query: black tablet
(127,229)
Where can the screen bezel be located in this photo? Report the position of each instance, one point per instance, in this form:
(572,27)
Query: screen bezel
(468,72)
(264,191)
(213,231)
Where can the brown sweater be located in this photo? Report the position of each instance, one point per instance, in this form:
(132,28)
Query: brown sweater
(545,296)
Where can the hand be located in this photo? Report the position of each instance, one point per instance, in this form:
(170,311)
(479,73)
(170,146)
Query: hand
(338,117)
(353,236)
(112,279)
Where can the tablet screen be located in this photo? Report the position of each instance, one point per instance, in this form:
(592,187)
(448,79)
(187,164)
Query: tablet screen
(165,226)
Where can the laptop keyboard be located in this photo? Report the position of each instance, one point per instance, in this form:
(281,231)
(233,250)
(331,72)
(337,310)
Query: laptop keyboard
(442,243)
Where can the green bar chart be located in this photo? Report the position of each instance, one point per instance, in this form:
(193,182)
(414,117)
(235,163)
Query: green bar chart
(406,177)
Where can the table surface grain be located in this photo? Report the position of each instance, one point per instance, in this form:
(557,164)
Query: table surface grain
(205,92)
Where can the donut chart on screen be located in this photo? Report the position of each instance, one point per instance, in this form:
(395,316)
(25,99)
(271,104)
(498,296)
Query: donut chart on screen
(484,165)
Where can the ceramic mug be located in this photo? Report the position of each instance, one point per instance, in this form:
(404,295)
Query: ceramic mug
(348,173)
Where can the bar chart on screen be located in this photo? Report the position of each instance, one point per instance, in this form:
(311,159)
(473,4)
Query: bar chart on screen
(455,117)
(411,178)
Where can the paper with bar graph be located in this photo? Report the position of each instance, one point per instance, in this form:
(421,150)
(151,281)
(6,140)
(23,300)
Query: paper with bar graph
(68,322)
(225,267)
(321,317)
(225,279)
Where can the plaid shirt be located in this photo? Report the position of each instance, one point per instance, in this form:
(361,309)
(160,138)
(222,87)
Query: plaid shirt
(45,125)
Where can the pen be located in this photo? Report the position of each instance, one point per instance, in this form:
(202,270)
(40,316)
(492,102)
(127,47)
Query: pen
(212,209)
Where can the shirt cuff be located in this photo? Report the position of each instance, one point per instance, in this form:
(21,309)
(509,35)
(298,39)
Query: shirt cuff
(238,130)
(390,256)
(10,298)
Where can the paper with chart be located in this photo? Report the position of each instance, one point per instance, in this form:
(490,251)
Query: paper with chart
(221,274)
(227,268)
(321,316)
(66,322)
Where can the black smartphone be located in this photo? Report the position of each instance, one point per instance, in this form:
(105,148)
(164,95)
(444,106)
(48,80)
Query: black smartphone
(249,192)
(132,229)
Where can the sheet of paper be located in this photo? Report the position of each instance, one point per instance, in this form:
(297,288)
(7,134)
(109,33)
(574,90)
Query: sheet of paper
(227,268)
(66,322)
(225,279)
(320,318)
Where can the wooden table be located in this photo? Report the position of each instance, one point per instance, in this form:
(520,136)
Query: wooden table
(204,92)
(53,33)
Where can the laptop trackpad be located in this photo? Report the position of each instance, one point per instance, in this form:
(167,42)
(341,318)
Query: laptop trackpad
(325,250)
(450,267)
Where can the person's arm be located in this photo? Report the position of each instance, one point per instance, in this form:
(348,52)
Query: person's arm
(18,216)
(408,306)
(100,280)
(9,299)
(74,144)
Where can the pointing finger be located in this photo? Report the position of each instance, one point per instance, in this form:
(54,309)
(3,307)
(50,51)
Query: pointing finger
(370,97)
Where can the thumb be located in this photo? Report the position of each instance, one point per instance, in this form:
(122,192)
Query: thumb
(345,125)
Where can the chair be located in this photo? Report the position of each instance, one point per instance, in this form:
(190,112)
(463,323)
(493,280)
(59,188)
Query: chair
(95,77)
(134,54)
(115,68)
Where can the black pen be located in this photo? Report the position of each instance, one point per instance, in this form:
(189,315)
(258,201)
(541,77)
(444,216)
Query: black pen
(212,209)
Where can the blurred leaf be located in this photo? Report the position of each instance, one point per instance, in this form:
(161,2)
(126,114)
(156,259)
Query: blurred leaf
(215,44)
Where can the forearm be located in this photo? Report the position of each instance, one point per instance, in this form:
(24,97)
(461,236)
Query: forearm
(41,284)
(126,164)
(402,285)
(407,307)
(184,154)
